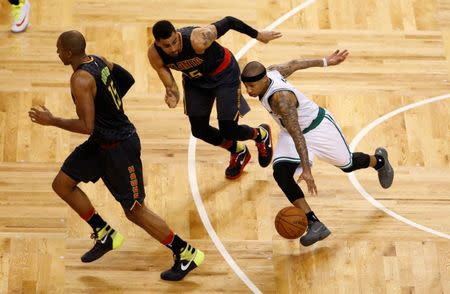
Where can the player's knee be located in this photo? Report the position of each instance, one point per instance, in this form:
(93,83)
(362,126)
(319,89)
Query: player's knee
(283,172)
(198,132)
(56,185)
(278,174)
(199,127)
(134,213)
(59,186)
(229,132)
(131,214)
(348,169)
(359,160)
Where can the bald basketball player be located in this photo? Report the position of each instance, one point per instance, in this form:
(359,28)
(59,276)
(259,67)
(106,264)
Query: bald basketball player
(210,74)
(307,130)
(112,152)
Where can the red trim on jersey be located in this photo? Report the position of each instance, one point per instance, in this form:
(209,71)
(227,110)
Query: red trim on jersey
(225,62)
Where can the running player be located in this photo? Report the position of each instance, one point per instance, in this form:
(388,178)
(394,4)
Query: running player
(112,152)
(210,72)
(307,130)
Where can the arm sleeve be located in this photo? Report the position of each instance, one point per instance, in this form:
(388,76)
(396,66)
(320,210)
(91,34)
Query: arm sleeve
(232,23)
(123,79)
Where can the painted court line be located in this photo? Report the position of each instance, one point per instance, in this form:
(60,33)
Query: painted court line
(357,184)
(193,173)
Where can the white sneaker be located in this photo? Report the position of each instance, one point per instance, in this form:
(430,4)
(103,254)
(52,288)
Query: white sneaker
(21,16)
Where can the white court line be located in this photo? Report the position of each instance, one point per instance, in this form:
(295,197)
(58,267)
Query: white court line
(357,184)
(193,173)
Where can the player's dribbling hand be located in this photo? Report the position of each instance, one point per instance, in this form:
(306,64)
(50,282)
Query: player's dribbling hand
(307,176)
(337,57)
(41,116)
(171,99)
(267,36)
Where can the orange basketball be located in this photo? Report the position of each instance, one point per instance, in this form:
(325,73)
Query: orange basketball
(291,222)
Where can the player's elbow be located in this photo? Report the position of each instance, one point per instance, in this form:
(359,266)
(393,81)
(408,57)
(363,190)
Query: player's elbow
(88,129)
(229,18)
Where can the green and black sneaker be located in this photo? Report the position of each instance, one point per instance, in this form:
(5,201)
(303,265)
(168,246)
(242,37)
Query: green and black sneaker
(106,239)
(186,261)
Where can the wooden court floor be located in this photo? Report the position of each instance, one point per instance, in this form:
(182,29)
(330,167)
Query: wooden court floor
(399,54)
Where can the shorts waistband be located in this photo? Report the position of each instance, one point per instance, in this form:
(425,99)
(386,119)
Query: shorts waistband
(316,121)
(110,145)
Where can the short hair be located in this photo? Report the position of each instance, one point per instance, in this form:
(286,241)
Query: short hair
(253,71)
(163,29)
(73,41)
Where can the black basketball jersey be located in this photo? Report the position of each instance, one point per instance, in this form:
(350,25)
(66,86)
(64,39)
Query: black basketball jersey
(194,66)
(111,123)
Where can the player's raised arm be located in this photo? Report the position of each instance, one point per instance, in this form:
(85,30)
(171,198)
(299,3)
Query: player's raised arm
(202,38)
(286,69)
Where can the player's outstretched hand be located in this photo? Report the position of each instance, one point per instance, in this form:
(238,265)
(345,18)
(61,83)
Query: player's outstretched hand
(267,36)
(337,57)
(309,179)
(41,115)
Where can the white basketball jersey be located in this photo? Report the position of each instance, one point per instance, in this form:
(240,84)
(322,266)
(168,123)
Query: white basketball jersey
(307,109)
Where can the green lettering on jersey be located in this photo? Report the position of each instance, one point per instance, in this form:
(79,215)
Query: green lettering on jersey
(105,74)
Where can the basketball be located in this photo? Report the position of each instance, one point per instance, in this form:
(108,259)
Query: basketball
(291,222)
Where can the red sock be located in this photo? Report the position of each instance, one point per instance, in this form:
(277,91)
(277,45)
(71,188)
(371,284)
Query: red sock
(168,240)
(87,216)
(226,144)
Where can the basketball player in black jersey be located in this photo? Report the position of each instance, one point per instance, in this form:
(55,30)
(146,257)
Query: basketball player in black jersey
(210,72)
(112,153)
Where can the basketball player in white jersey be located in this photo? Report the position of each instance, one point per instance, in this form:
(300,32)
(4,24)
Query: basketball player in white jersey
(307,130)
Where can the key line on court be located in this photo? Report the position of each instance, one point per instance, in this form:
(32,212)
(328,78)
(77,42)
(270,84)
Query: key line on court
(193,173)
(352,177)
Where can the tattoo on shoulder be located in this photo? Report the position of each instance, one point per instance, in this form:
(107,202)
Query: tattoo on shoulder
(285,69)
(208,37)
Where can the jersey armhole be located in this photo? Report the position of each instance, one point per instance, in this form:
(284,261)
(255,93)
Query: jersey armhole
(279,90)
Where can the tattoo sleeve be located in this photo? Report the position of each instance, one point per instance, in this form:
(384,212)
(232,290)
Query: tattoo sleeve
(286,69)
(285,105)
(208,37)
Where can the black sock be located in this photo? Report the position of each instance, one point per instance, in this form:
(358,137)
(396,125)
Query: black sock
(96,222)
(380,161)
(312,217)
(233,146)
(14,2)
(177,245)
(258,138)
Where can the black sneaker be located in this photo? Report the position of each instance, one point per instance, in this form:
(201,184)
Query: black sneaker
(265,149)
(111,240)
(186,261)
(386,172)
(237,163)
(316,231)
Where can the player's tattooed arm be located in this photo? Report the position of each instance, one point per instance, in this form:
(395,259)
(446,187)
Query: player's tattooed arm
(202,38)
(286,69)
(284,104)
